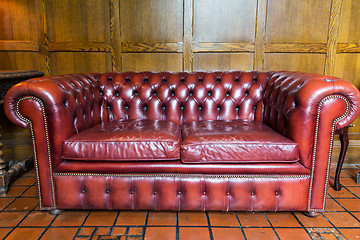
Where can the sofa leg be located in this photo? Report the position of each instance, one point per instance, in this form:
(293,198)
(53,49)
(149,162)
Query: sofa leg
(311,214)
(54,212)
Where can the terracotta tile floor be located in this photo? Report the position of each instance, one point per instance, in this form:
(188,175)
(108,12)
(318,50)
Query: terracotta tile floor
(21,219)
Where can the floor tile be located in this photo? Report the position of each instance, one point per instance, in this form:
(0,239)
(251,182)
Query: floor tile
(351,171)
(227,233)
(253,219)
(223,219)
(15,191)
(4,231)
(355,190)
(342,219)
(86,231)
(37,219)
(292,233)
(4,202)
(350,204)
(161,218)
(24,181)
(331,205)
(25,233)
(343,193)
(348,182)
(282,219)
(59,233)
(357,215)
(23,204)
(259,233)
(192,219)
(118,231)
(102,218)
(156,233)
(70,218)
(325,233)
(131,218)
(10,219)
(186,233)
(351,234)
(135,231)
(31,192)
(102,231)
(319,221)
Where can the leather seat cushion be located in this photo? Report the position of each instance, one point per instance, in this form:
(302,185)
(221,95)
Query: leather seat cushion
(235,141)
(125,140)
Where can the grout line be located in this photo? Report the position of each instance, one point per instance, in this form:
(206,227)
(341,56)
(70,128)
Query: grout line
(241,228)
(81,225)
(271,225)
(177,226)
(209,225)
(114,224)
(301,224)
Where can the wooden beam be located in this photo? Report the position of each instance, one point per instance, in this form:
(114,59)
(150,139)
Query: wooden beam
(115,36)
(23,46)
(332,36)
(44,57)
(151,47)
(187,50)
(348,48)
(79,47)
(295,47)
(259,55)
(223,47)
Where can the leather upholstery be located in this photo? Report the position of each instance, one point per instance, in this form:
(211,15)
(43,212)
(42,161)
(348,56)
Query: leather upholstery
(235,141)
(125,140)
(305,108)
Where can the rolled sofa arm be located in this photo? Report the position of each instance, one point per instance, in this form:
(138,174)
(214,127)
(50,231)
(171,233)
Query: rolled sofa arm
(54,109)
(308,108)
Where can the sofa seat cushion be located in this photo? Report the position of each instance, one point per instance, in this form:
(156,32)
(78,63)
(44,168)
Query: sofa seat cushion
(235,141)
(125,140)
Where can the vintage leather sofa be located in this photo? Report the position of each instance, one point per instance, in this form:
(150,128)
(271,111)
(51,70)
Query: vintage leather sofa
(224,141)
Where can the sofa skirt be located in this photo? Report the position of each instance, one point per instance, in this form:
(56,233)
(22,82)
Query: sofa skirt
(176,192)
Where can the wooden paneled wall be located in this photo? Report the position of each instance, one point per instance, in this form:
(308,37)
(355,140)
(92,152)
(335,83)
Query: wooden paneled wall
(60,37)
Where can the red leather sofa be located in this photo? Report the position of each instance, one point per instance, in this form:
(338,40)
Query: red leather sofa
(224,141)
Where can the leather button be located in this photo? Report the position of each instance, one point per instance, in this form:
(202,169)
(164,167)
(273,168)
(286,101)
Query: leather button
(132,192)
(109,79)
(155,193)
(83,191)
(204,193)
(228,193)
(179,193)
(252,193)
(277,193)
(107,191)
(136,92)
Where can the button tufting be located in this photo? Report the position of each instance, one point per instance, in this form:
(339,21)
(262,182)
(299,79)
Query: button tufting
(200,80)
(146,80)
(252,193)
(109,79)
(136,92)
(172,93)
(182,80)
(218,108)
(101,92)
(227,93)
(154,93)
(255,80)
(83,191)
(145,108)
(127,80)
(191,93)
(277,193)
(200,108)
(247,93)
(209,93)
(164,80)
(163,108)
(218,80)
(126,107)
(132,192)
(228,193)
(107,191)
(155,193)
(108,107)
(179,193)
(204,193)
(117,93)
(182,108)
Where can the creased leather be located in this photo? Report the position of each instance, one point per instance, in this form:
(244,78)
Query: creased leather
(235,141)
(125,140)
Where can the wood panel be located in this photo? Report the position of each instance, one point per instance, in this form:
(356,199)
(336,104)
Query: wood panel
(152,62)
(79,62)
(18,20)
(350,22)
(312,63)
(304,21)
(223,61)
(80,20)
(151,20)
(224,21)
(19,61)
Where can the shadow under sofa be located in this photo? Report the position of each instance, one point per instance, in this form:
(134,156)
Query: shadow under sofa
(206,141)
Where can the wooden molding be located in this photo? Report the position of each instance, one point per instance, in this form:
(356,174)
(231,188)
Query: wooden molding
(151,47)
(332,37)
(43,39)
(348,48)
(223,47)
(259,55)
(23,46)
(188,52)
(115,37)
(295,47)
(79,47)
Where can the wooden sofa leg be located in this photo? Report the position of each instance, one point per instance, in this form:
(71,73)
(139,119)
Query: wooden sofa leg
(55,212)
(311,214)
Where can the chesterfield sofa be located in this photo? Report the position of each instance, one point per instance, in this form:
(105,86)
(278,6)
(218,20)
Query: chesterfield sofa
(206,141)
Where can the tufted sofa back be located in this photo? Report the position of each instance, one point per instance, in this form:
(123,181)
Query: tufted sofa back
(183,97)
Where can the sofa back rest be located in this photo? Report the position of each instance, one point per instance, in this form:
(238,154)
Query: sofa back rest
(183,97)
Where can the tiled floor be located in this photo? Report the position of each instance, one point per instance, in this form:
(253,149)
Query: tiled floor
(21,219)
